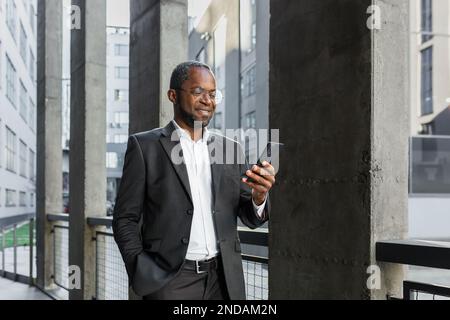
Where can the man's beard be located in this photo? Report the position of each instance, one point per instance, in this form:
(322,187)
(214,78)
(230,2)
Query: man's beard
(190,120)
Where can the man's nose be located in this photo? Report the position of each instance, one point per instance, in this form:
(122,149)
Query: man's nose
(206,99)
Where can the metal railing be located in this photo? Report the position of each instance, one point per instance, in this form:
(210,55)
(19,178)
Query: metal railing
(423,253)
(112,279)
(17,243)
(423,291)
(60,274)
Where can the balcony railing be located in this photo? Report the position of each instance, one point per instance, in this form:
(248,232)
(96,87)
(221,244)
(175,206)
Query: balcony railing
(111,280)
(423,253)
(17,244)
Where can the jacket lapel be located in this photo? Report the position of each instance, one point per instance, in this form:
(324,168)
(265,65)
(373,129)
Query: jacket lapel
(168,145)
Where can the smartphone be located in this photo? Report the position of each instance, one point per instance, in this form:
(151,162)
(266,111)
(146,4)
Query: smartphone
(266,155)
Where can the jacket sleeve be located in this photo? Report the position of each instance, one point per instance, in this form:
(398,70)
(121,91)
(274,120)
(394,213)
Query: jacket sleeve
(129,205)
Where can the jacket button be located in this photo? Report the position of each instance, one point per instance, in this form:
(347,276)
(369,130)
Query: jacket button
(190,212)
(185,241)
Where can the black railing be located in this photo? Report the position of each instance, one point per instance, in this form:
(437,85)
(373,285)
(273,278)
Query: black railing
(412,290)
(17,248)
(423,253)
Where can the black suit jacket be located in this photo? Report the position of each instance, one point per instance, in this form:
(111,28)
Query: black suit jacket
(156,189)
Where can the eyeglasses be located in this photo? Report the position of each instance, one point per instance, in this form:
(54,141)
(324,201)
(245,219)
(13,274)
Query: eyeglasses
(215,95)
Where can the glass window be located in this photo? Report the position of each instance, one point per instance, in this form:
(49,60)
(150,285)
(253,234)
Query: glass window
(23,102)
(121,50)
(10,81)
(11,150)
(32,66)
(120,95)
(22,199)
(23,159)
(31,199)
(427,20)
(120,138)
(121,118)
(32,170)
(122,72)
(10,198)
(23,44)
(427,81)
(11,16)
(250,120)
(32,115)
(32,18)
(111,160)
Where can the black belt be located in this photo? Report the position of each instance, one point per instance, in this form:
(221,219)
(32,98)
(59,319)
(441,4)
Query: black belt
(202,266)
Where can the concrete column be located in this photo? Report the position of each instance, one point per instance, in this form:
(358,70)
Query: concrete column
(158,42)
(49,130)
(338,94)
(87,142)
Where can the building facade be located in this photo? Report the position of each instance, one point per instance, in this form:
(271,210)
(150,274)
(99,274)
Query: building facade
(117,105)
(17,106)
(430,67)
(233,38)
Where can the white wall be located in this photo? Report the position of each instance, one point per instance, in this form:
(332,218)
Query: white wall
(429,217)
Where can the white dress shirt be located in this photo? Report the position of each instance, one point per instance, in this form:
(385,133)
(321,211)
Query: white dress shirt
(203,241)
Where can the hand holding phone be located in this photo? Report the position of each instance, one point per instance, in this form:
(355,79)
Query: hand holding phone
(270,151)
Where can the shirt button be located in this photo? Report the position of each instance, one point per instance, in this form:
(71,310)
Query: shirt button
(185,241)
(190,212)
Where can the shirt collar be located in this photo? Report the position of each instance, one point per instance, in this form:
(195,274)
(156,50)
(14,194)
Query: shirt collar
(184,134)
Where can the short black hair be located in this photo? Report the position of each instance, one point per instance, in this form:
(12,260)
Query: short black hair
(181,73)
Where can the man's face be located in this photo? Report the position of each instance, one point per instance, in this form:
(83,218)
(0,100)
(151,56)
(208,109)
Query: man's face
(195,102)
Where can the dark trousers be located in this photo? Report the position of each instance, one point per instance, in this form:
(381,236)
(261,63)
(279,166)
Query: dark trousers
(190,285)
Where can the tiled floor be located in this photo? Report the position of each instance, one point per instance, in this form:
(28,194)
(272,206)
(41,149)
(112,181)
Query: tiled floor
(10,290)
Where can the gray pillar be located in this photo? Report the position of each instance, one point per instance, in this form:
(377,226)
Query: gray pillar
(338,93)
(49,130)
(158,42)
(87,139)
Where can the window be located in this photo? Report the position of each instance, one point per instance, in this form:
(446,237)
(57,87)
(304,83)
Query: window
(10,199)
(11,150)
(248,83)
(11,17)
(121,50)
(32,66)
(32,18)
(31,199)
(23,159)
(111,160)
(250,120)
(120,138)
(121,72)
(10,81)
(253,30)
(22,199)
(32,116)
(218,121)
(120,95)
(23,102)
(32,172)
(23,44)
(427,81)
(427,20)
(121,118)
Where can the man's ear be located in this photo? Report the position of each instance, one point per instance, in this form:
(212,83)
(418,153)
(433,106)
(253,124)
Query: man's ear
(172,95)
